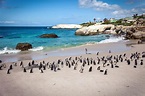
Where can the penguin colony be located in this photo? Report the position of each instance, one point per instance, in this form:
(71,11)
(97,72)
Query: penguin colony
(80,64)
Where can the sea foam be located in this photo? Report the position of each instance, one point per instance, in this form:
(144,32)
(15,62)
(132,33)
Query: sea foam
(9,51)
(36,48)
(112,39)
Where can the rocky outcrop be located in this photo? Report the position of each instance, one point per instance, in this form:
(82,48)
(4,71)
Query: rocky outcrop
(95,29)
(129,32)
(23,46)
(49,36)
(138,35)
(134,33)
(67,26)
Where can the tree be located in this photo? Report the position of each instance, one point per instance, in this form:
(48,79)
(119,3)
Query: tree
(135,16)
(106,21)
(94,20)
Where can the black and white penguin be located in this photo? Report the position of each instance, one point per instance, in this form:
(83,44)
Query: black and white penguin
(135,66)
(8,71)
(21,63)
(81,70)
(41,71)
(33,62)
(98,68)
(112,66)
(11,67)
(24,70)
(141,63)
(31,70)
(1,67)
(43,62)
(124,54)
(97,53)
(94,62)
(29,64)
(86,50)
(135,62)
(69,65)
(116,66)
(128,62)
(62,64)
(90,69)
(40,66)
(105,73)
(44,67)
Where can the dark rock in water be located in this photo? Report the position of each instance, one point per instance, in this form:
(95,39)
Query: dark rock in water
(108,36)
(49,36)
(1,37)
(23,46)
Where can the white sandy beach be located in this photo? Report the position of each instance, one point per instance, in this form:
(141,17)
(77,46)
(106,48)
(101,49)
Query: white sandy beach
(123,81)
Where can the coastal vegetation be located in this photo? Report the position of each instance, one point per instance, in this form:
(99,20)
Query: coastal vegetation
(130,27)
(128,21)
(87,24)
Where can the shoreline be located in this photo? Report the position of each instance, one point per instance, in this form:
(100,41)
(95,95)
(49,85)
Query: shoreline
(70,51)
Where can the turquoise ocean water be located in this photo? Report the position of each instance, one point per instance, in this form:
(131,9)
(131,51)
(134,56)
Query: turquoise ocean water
(10,36)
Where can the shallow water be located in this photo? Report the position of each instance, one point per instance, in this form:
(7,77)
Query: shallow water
(67,38)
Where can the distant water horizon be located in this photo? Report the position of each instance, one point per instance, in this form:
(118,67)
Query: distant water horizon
(12,35)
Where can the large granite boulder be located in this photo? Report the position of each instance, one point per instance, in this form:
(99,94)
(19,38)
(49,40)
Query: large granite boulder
(23,46)
(138,35)
(86,31)
(94,29)
(120,29)
(134,32)
(49,36)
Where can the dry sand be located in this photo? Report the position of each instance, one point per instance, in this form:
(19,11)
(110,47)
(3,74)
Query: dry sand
(123,81)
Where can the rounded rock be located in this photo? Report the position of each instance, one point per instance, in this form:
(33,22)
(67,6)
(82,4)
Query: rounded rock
(23,46)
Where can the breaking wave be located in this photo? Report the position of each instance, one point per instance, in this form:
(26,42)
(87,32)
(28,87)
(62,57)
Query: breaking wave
(112,39)
(37,48)
(9,51)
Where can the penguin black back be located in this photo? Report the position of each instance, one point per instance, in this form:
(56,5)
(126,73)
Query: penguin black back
(98,68)
(11,67)
(41,70)
(24,70)
(105,73)
(31,70)
(141,63)
(8,71)
(90,69)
